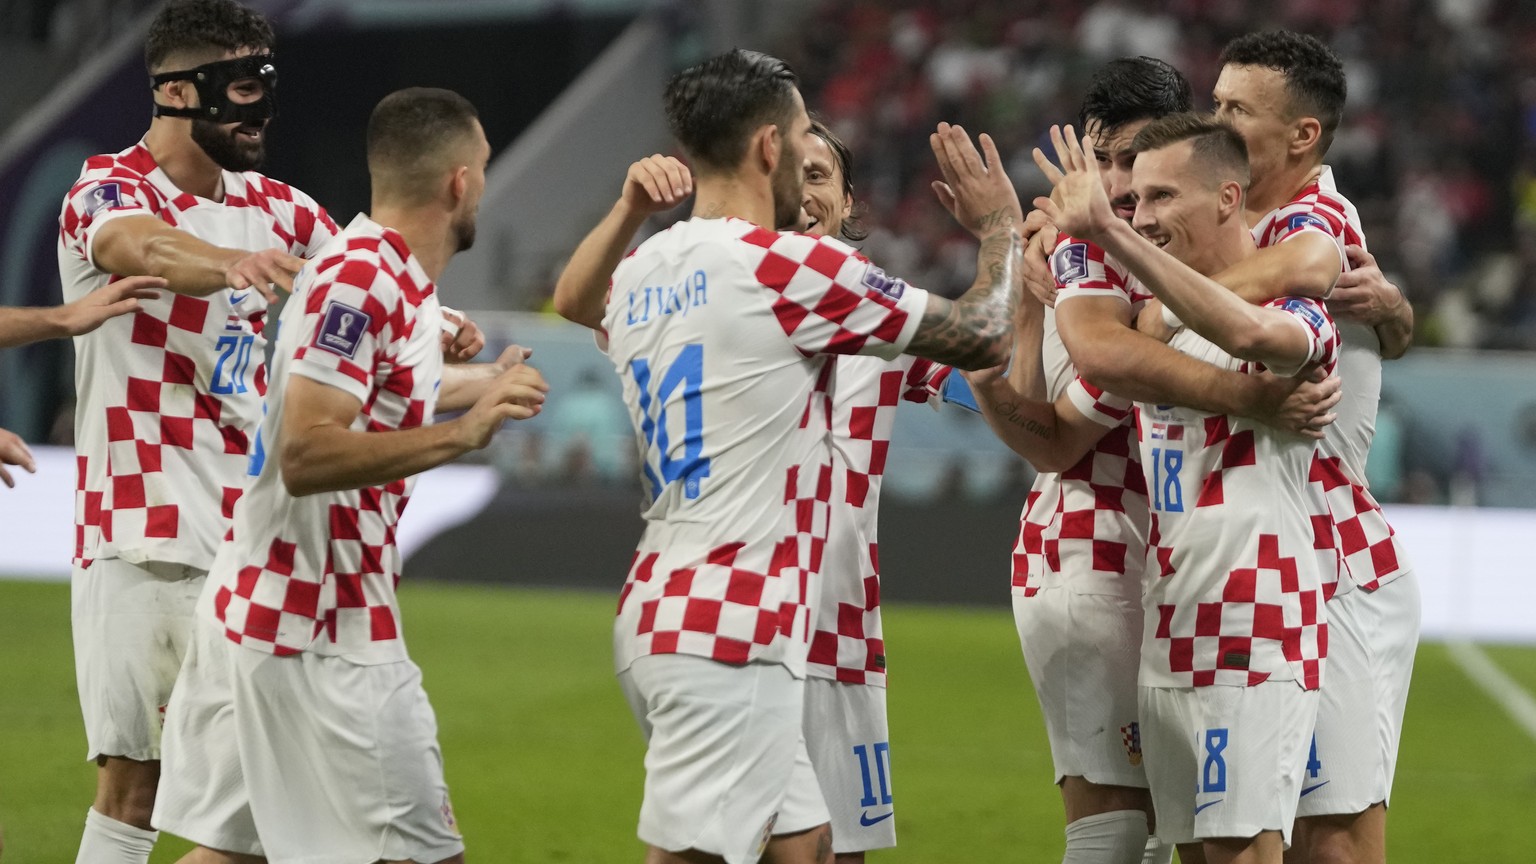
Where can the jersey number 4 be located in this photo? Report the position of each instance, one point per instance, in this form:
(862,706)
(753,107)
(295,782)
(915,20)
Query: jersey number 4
(661,469)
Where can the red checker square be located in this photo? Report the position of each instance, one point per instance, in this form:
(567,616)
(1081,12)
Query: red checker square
(648,616)
(302,598)
(874,659)
(745,587)
(371,500)
(701,615)
(1216,430)
(851,676)
(349,591)
(1164,621)
(1384,557)
(1241,586)
(1212,491)
(823,648)
(1204,677)
(1181,654)
(646,567)
(664,642)
(261,621)
(231,495)
(247,580)
(1268,621)
(850,620)
(1077,525)
(837,303)
(775,271)
(872,587)
(205,407)
(858,488)
(188,313)
(877,453)
(178,369)
(221,602)
(890,327)
(280,557)
(1239,450)
(845,341)
(1108,556)
(372,559)
(148,330)
(1322,532)
(236,442)
(344,523)
(768,626)
(729,650)
(149,456)
(861,422)
(789,314)
(1208,619)
(143,395)
(176,432)
(679,583)
(381,620)
(128,491)
(826,260)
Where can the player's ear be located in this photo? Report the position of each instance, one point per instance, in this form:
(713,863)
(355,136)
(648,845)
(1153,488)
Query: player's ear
(1230,199)
(767,144)
(1305,134)
(458,184)
(179,94)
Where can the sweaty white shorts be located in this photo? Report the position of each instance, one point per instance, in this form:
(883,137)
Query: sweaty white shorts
(1226,761)
(725,763)
(1372,637)
(131,624)
(1083,652)
(202,794)
(849,742)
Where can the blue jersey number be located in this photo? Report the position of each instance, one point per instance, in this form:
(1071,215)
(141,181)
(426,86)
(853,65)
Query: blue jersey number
(1167,492)
(1213,774)
(882,759)
(234,358)
(687,372)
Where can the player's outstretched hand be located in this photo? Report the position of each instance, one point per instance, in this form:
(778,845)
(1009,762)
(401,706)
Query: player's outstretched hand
(119,298)
(1363,293)
(13,451)
(465,341)
(1303,405)
(262,270)
(656,183)
(517,394)
(1078,204)
(975,189)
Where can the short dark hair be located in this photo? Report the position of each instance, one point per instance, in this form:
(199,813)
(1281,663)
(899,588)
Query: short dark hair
(411,135)
(212,26)
(1218,149)
(851,229)
(1133,88)
(713,107)
(1314,75)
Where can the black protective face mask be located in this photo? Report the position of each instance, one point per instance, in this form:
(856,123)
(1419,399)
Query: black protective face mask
(213,81)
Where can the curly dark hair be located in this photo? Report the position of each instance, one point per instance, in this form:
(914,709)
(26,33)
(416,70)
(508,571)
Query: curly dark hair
(1130,89)
(712,107)
(852,229)
(1314,75)
(213,26)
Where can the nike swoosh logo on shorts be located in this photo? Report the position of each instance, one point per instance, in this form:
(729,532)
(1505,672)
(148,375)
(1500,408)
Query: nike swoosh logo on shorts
(866,821)
(1209,804)
(1308,790)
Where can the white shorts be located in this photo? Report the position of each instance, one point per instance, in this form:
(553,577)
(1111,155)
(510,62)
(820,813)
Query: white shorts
(1372,637)
(725,762)
(849,743)
(131,624)
(326,761)
(202,794)
(1083,652)
(1226,761)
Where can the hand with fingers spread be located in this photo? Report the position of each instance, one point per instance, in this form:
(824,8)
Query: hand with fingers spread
(975,189)
(516,394)
(464,341)
(1078,204)
(117,298)
(262,270)
(655,184)
(13,451)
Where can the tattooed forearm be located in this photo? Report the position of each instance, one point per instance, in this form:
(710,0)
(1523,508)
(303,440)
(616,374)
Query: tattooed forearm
(1010,411)
(998,218)
(976,331)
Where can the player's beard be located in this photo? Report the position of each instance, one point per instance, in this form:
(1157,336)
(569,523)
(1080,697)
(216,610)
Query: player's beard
(788,189)
(226,149)
(464,230)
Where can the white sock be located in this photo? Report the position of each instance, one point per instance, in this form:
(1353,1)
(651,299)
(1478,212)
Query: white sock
(1157,851)
(1117,837)
(108,841)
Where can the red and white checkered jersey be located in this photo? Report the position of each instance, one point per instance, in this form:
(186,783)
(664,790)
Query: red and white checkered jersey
(848,644)
(1240,546)
(318,572)
(1085,528)
(716,327)
(1372,554)
(170,396)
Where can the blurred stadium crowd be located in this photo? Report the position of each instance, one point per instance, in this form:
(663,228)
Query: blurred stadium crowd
(1437,148)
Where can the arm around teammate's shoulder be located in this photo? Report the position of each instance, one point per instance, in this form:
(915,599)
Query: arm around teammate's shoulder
(976,330)
(145,246)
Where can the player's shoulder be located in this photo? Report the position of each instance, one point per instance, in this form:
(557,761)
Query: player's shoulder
(135,164)
(259,190)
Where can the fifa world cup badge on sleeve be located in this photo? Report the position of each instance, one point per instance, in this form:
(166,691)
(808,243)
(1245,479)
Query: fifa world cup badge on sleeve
(343,329)
(1070,263)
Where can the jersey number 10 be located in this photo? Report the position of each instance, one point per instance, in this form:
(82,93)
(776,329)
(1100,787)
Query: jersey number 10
(686,371)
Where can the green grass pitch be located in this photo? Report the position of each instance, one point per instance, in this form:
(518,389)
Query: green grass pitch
(544,760)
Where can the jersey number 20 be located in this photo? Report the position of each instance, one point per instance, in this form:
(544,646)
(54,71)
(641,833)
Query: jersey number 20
(687,372)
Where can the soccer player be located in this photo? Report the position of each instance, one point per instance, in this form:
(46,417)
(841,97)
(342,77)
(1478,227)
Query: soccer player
(169,396)
(298,728)
(1234,641)
(1079,557)
(1284,93)
(719,327)
(846,728)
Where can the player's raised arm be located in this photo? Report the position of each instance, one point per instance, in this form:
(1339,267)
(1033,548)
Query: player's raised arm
(142,245)
(19,326)
(653,184)
(975,331)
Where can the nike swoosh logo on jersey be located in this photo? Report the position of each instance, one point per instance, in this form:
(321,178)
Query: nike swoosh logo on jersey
(866,821)
(1308,790)
(1209,804)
